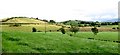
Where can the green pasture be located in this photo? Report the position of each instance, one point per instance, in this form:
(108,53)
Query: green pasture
(56,42)
(28,28)
(22,40)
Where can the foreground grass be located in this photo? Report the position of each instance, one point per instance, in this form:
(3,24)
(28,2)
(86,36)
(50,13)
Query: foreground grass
(55,42)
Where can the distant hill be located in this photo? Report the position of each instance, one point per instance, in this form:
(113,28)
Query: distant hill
(113,20)
(108,20)
(22,20)
(76,22)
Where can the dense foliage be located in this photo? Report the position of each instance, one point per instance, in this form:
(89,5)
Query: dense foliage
(62,30)
(94,30)
(34,29)
(74,29)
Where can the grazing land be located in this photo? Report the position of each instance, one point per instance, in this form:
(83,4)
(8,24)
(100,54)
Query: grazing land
(55,42)
(21,39)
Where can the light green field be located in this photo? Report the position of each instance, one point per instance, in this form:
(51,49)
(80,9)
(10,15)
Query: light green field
(28,28)
(55,42)
(109,26)
(24,20)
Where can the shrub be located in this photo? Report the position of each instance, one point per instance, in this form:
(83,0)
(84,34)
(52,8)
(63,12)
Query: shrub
(57,30)
(99,25)
(80,25)
(68,27)
(52,21)
(39,31)
(85,25)
(62,30)
(117,27)
(94,30)
(113,28)
(71,34)
(14,25)
(45,20)
(34,29)
(50,30)
(74,29)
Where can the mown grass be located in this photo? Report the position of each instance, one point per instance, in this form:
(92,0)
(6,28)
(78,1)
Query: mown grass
(55,42)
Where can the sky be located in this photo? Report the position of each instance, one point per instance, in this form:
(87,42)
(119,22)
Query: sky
(60,10)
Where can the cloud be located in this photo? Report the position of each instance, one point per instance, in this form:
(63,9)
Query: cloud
(59,10)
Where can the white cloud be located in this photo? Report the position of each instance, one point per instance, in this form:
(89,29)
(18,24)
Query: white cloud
(59,10)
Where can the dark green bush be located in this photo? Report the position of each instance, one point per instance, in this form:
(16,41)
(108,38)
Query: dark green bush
(99,25)
(14,25)
(74,29)
(94,30)
(62,30)
(39,31)
(34,29)
(57,30)
(113,28)
(50,30)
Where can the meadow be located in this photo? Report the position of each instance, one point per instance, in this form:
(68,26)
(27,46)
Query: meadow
(21,39)
(56,42)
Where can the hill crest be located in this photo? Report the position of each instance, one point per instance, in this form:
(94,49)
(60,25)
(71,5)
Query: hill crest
(22,20)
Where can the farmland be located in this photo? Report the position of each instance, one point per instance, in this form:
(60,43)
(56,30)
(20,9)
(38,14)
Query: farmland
(55,42)
(28,28)
(21,39)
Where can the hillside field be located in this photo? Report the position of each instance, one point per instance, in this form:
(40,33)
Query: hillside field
(21,39)
(53,28)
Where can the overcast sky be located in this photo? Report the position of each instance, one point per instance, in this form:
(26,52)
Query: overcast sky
(60,10)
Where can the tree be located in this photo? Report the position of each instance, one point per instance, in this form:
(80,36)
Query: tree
(94,30)
(74,26)
(34,29)
(45,20)
(79,25)
(62,30)
(85,25)
(96,22)
(36,18)
(92,24)
(74,29)
(52,21)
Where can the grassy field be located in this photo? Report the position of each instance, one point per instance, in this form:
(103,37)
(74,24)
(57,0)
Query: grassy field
(28,28)
(55,42)
(22,40)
